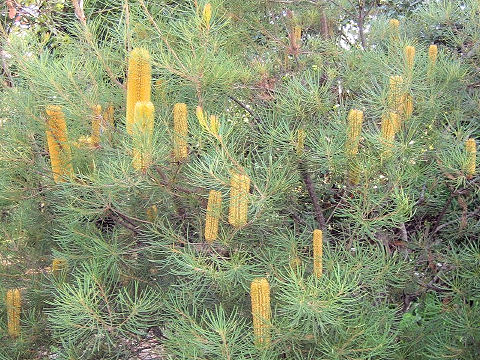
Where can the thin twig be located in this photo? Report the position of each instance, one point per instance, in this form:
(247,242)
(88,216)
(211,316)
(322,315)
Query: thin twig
(313,196)
(245,107)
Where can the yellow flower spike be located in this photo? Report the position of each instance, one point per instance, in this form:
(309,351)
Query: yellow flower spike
(180,128)
(394,25)
(142,131)
(261,311)
(138,83)
(58,265)
(202,119)
(432,54)
(214,210)
(317,252)
(207,15)
(58,146)
(239,191)
(409,57)
(471,148)
(96,121)
(388,132)
(301,141)
(395,92)
(214,125)
(354,129)
(13,302)
(152,213)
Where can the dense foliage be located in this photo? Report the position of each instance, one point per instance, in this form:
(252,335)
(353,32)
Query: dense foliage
(113,248)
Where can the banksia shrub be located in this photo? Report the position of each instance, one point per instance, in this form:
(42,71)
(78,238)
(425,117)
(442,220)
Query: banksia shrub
(261,311)
(13,302)
(471,148)
(214,209)
(180,128)
(317,252)
(142,132)
(239,190)
(301,141)
(138,83)
(96,122)
(58,146)
(354,129)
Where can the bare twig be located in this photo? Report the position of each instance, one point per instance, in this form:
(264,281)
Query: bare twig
(313,196)
(245,107)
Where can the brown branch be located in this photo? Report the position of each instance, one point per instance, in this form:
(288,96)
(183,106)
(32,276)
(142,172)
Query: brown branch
(245,107)
(125,224)
(313,196)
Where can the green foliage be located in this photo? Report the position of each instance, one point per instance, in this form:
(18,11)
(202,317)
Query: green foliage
(401,260)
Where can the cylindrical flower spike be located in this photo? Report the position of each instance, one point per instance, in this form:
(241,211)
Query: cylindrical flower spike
(13,303)
(388,132)
(471,148)
(395,93)
(317,252)
(409,57)
(214,210)
(58,146)
(432,54)
(354,129)
(96,121)
(138,83)
(261,311)
(180,128)
(239,190)
(214,125)
(407,106)
(394,25)
(301,141)
(207,15)
(142,131)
